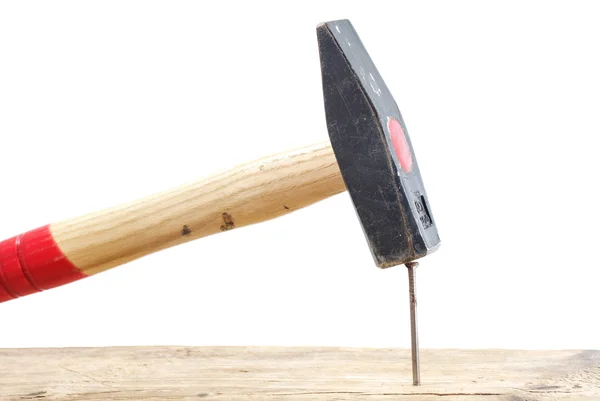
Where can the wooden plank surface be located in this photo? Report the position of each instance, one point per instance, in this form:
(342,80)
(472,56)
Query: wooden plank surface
(255,373)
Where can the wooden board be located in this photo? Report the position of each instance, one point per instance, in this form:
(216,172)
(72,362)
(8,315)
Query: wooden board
(241,373)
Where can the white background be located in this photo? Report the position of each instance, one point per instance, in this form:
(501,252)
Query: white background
(105,102)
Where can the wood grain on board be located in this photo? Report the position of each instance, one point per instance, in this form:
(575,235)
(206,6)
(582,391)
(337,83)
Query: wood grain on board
(276,373)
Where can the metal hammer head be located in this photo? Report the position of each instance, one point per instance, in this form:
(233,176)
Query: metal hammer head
(373,150)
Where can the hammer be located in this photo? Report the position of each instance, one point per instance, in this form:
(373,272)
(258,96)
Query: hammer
(369,154)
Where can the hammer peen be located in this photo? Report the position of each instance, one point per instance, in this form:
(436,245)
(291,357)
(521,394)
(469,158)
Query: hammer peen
(369,154)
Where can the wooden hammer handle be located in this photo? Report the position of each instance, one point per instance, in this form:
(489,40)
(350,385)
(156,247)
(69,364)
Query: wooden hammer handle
(66,251)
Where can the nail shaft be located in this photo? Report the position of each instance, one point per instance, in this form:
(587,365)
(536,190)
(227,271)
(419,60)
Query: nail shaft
(412,266)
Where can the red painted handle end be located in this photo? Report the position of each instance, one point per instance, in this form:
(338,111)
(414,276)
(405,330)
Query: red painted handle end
(33,262)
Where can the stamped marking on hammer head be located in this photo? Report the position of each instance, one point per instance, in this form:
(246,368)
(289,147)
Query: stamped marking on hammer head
(373,149)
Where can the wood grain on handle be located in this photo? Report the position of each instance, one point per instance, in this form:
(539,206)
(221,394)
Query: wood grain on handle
(251,193)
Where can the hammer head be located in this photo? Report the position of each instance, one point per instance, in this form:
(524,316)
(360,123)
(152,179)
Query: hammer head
(373,150)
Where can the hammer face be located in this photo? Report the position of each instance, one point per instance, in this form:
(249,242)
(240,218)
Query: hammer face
(372,147)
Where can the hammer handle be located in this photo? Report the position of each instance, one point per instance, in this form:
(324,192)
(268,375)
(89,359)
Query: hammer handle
(63,252)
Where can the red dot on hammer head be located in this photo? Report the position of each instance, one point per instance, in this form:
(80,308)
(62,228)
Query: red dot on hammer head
(400,144)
